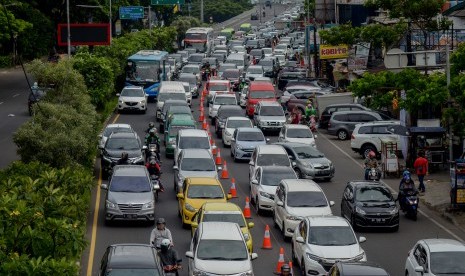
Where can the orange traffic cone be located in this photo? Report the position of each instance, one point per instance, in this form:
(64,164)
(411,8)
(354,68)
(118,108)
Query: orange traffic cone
(247,208)
(267,239)
(201,116)
(280,261)
(218,158)
(204,124)
(214,148)
(232,190)
(224,172)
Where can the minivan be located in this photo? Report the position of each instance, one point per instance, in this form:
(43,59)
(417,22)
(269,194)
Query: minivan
(258,91)
(169,90)
(330,109)
(342,123)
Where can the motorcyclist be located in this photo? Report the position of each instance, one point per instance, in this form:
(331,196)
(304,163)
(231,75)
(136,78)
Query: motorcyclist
(151,125)
(154,169)
(206,69)
(296,116)
(124,160)
(152,138)
(406,186)
(370,162)
(243,81)
(285,270)
(169,257)
(309,111)
(160,233)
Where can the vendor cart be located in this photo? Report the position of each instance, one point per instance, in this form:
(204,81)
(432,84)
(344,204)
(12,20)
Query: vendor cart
(430,140)
(389,161)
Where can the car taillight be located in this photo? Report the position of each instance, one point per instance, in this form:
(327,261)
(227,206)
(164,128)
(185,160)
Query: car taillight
(329,124)
(352,137)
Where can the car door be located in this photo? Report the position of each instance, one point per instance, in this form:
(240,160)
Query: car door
(256,116)
(282,135)
(193,249)
(181,200)
(278,209)
(233,142)
(418,258)
(255,187)
(299,248)
(347,197)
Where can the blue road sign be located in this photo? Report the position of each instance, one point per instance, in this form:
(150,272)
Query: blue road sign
(131,12)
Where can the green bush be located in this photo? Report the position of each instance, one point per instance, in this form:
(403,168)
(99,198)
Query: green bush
(6,61)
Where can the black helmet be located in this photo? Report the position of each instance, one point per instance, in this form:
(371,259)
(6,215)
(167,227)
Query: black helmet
(161,221)
(124,156)
(285,268)
(151,125)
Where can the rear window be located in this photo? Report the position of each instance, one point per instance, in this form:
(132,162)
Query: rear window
(364,130)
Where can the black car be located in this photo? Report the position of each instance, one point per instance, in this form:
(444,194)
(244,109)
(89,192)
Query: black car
(285,76)
(35,95)
(224,112)
(254,16)
(125,259)
(330,109)
(268,3)
(369,204)
(357,269)
(116,144)
(270,66)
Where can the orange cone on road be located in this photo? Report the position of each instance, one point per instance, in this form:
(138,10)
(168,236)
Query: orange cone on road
(267,239)
(280,261)
(247,208)
(232,190)
(201,116)
(218,158)
(214,148)
(204,124)
(224,172)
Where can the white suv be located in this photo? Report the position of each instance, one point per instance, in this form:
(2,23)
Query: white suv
(366,137)
(219,248)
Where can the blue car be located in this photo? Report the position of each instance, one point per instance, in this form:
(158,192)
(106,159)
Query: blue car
(244,141)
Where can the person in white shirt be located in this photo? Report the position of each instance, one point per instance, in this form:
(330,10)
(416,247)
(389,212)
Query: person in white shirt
(159,233)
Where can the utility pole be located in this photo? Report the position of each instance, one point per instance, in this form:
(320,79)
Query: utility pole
(201,11)
(69,29)
(449,103)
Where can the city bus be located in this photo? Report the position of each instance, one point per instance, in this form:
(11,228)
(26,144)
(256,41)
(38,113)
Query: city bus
(146,68)
(228,33)
(246,27)
(199,38)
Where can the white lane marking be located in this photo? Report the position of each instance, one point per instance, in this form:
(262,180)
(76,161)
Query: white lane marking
(394,191)
(16,95)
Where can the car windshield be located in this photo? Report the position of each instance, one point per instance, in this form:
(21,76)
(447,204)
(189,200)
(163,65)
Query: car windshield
(265,62)
(256,53)
(171,96)
(179,109)
(132,93)
(197,164)
(130,184)
(225,101)
(175,129)
(110,130)
(306,199)
(231,74)
(218,87)
(227,250)
(255,70)
(272,178)
(122,144)
(373,194)
(273,160)
(271,111)
(190,69)
(262,94)
(299,133)
(191,79)
(167,106)
(308,152)
(133,272)
(238,123)
(448,263)
(194,143)
(205,191)
(196,58)
(238,62)
(331,236)
(225,217)
(225,113)
(250,136)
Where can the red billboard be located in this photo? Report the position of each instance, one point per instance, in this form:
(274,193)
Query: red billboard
(84,34)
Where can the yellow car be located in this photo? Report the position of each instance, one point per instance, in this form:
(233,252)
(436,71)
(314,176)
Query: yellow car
(195,192)
(224,212)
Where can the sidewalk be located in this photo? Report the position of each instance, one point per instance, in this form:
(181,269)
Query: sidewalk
(437,197)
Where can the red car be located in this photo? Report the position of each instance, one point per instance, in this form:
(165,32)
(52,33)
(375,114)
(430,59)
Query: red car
(259,91)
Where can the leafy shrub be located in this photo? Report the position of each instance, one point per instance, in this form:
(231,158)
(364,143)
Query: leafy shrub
(6,61)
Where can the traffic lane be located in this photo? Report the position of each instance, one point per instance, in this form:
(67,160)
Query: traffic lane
(268,16)
(381,246)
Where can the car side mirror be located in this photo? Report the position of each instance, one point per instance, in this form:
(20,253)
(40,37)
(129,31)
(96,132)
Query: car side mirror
(280,203)
(100,136)
(233,139)
(299,240)
(194,224)
(219,168)
(331,203)
(228,196)
(144,147)
(251,163)
(101,147)
(104,186)
(180,196)
(166,131)
(316,136)
(362,239)
(175,168)
(267,139)
(295,164)
(419,269)
(250,225)
(255,181)
(253,256)
(118,94)
(190,254)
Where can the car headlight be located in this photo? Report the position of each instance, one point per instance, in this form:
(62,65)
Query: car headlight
(313,257)
(359,257)
(189,207)
(394,211)
(246,236)
(171,141)
(360,210)
(196,272)
(120,101)
(267,195)
(226,132)
(239,146)
(291,217)
(149,205)
(110,205)
(309,165)
(137,159)
(142,102)
(262,123)
(247,273)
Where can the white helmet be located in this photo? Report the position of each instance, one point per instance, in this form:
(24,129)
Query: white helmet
(165,242)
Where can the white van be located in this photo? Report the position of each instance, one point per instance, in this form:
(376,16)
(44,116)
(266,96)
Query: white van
(169,90)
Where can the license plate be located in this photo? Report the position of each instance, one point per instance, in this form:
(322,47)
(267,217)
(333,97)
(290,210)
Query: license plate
(130,216)
(322,172)
(378,220)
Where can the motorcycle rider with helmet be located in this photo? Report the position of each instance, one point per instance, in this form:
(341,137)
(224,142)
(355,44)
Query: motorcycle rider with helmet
(154,169)
(169,258)
(160,233)
(152,138)
(406,187)
(151,125)
(285,270)
(370,162)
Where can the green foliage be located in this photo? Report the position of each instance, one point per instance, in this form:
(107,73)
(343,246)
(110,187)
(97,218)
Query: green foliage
(98,76)
(457,60)
(18,26)
(6,61)
(342,34)
(457,90)
(183,23)
(309,7)
(42,218)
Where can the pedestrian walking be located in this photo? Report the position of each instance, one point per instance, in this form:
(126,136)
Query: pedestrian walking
(421,168)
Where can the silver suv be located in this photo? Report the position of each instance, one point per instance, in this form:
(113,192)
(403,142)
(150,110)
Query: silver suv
(269,116)
(342,123)
(130,195)
(366,137)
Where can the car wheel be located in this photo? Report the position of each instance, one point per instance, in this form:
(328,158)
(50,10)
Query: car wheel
(299,173)
(342,135)
(366,149)
(406,273)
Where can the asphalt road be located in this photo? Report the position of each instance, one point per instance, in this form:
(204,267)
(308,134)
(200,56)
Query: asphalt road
(14,92)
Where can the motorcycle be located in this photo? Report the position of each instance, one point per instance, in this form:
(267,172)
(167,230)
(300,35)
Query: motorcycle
(205,74)
(310,122)
(409,204)
(172,270)
(157,187)
(152,150)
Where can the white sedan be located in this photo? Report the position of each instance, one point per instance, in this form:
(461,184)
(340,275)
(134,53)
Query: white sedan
(297,134)
(231,124)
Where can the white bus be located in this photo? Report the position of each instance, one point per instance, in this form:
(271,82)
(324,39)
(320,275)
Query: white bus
(199,38)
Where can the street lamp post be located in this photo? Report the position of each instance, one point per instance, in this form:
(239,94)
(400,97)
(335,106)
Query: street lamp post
(68,28)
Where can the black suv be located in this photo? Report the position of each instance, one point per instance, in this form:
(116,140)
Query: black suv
(224,112)
(369,204)
(357,269)
(124,259)
(36,94)
(116,144)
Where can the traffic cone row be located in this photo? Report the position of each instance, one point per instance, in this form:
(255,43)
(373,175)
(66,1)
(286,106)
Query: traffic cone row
(267,239)
(218,158)
(247,213)
(204,124)
(224,172)
(232,190)
(280,261)
(201,116)
(214,148)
